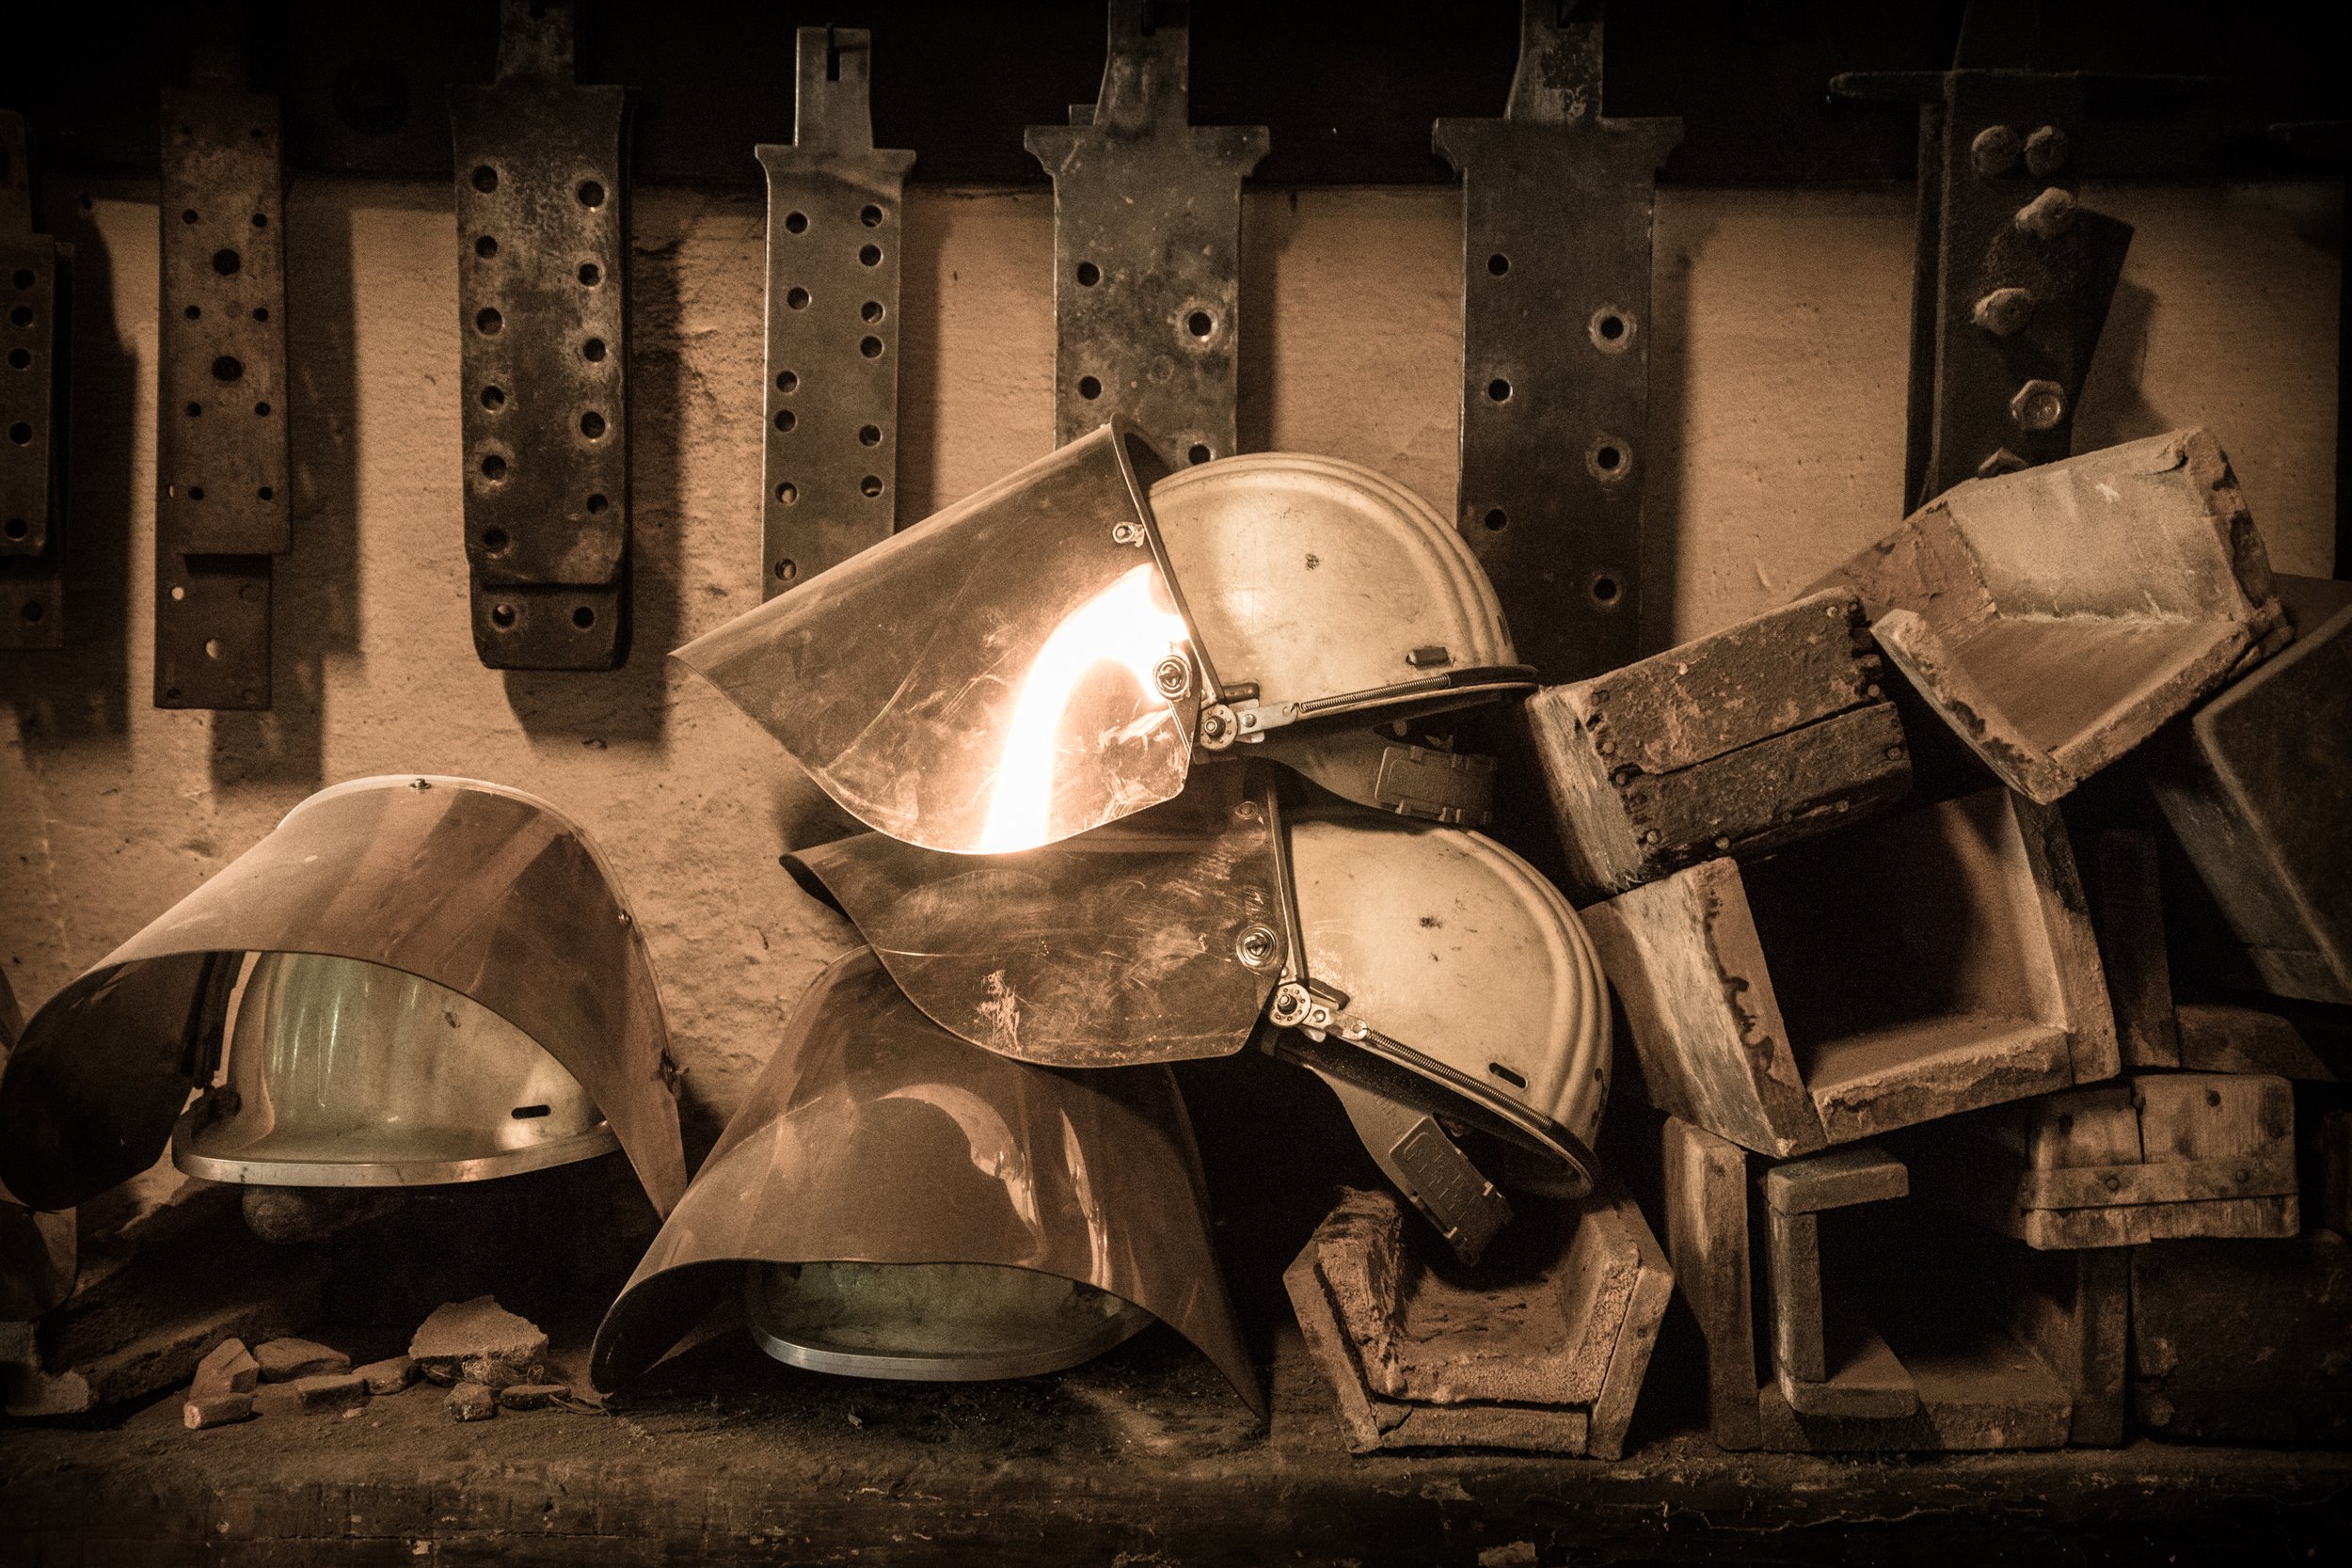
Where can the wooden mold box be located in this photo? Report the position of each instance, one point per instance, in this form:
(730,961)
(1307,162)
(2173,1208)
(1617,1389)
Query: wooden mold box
(1921,964)
(2257,790)
(2243,1341)
(1542,1348)
(1737,743)
(2152,1156)
(2135,571)
(1888,1330)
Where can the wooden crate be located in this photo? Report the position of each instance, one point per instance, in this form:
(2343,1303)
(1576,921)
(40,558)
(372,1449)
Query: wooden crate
(1543,1348)
(2151,1156)
(1905,1334)
(1736,744)
(2243,1341)
(2135,570)
(2257,790)
(1924,963)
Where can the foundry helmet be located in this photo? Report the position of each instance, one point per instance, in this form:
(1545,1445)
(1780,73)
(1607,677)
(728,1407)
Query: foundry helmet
(1029,663)
(1428,966)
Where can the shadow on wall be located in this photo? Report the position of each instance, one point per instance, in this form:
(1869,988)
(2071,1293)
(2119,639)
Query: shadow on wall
(1669,552)
(2114,408)
(1267,228)
(83,690)
(630,705)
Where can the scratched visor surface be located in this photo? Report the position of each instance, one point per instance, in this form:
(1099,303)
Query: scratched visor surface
(1121,945)
(875,1136)
(480,889)
(986,680)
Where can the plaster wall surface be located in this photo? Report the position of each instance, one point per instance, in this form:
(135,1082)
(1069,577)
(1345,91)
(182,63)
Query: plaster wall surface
(1779,332)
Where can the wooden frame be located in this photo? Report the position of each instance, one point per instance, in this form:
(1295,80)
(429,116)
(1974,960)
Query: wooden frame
(1921,964)
(2136,570)
(1760,735)
(2040,1364)
(1545,1352)
(2151,1156)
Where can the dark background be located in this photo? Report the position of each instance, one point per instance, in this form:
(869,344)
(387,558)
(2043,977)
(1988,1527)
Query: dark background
(1350,90)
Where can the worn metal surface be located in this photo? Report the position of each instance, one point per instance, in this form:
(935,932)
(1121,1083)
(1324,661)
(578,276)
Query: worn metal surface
(37,1250)
(2014,275)
(224,494)
(1556,208)
(35,288)
(543,253)
(1147,246)
(875,1136)
(482,889)
(834,233)
(1421,1161)
(339,1073)
(1004,674)
(1153,938)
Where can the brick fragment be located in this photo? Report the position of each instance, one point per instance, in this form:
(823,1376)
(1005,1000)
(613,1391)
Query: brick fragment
(388,1376)
(230,1368)
(471,1402)
(216,1409)
(284,1360)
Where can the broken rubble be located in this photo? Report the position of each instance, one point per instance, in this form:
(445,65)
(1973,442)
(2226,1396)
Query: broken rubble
(478,1341)
(284,1360)
(471,1402)
(533,1395)
(388,1376)
(230,1368)
(216,1409)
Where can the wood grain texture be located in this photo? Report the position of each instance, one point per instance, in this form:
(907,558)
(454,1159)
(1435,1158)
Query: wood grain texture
(2237,1342)
(1757,735)
(1706,1237)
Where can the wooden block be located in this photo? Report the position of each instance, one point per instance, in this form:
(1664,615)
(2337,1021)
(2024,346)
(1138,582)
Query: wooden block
(1925,963)
(2127,913)
(2309,1044)
(2157,1155)
(1970,1342)
(2254,793)
(2135,570)
(1706,1238)
(2243,1341)
(1544,1349)
(2335,1165)
(1736,744)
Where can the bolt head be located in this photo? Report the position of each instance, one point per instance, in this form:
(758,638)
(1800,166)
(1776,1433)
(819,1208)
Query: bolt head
(2046,151)
(1996,151)
(2002,462)
(2039,406)
(1256,947)
(2003,311)
(1173,676)
(2049,214)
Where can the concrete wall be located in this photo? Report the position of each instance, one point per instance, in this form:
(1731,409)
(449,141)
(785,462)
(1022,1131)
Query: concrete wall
(1779,347)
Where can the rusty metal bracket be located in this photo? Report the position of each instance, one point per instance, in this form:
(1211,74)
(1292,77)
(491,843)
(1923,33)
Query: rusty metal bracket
(224,495)
(1556,210)
(1147,246)
(35,292)
(542,235)
(832,317)
(2014,275)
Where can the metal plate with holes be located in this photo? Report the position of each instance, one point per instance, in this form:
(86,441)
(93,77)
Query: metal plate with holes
(1147,246)
(542,230)
(34,287)
(2013,277)
(223,496)
(1556,209)
(832,318)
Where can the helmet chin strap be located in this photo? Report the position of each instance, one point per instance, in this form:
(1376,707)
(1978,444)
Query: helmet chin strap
(1427,1166)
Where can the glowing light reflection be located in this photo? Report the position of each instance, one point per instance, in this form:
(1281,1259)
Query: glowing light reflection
(1125,625)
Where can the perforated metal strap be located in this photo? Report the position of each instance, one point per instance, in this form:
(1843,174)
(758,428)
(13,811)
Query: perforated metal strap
(33,287)
(543,234)
(1556,210)
(832,318)
(224,496)
(1147,246)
